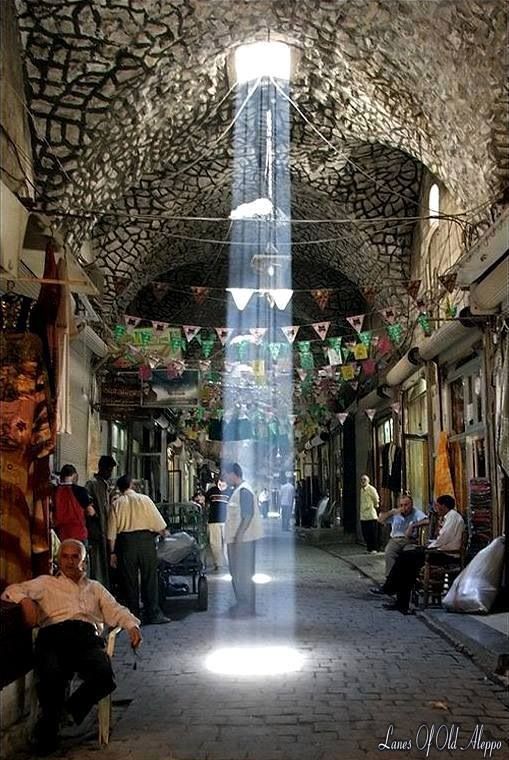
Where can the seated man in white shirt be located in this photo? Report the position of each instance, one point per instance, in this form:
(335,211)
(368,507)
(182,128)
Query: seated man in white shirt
(404,573)
(70,610)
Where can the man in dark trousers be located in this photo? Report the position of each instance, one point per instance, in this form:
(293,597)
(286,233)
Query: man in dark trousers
(133,525)
(99,489)
(243,528)
(70,610)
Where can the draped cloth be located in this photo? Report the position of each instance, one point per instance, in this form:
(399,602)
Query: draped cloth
(65,332)
(26,440)
(443,479)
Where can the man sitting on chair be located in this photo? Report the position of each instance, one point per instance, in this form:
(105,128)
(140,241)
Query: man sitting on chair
(70,610)
(405,570)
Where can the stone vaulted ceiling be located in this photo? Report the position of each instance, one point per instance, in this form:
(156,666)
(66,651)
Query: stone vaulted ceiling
(130,99)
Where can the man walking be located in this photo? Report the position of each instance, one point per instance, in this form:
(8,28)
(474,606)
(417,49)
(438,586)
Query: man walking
(133,525)
(217,499)
(70,610)
(287,496)
(243,529)
(99,489)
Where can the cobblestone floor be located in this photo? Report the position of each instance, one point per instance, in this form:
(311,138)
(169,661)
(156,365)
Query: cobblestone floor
(364,670)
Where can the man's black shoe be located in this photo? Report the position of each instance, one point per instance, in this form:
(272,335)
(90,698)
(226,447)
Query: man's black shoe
(378,590)
(395,607)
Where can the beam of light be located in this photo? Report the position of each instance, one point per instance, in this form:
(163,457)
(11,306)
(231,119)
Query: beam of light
(261,578)
(262,59)
(254,661)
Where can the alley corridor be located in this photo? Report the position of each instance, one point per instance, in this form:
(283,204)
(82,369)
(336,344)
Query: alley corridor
(363,669)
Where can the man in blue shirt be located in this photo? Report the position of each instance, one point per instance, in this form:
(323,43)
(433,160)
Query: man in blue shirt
(400,519)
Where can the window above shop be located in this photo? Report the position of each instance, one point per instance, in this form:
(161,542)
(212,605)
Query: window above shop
(434,204)
(466,402)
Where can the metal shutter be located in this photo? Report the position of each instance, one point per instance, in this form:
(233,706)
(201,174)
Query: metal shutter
(73,449)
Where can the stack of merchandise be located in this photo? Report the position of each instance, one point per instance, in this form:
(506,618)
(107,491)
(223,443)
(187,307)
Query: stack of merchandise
(480,531)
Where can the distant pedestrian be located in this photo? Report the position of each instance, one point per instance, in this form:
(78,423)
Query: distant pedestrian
(133,525)
(369,501)
(71,506)
(263,502)
(243,529)
(286,500)
(100,489)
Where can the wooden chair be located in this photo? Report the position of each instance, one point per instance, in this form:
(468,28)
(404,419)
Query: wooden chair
(435,577)
(104,708)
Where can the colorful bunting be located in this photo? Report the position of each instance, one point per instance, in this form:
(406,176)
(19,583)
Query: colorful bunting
(223,333)
(321,329)
(347,372)
(341,417)
(204,365)
(366,338)
(200,294)
(356,321)
(450,309)
(131,322)
(388,315)
(413,287)
(384,345)
(370,413)
(448,281)
(290,332)
(160,327)
(207,344)
(119,332)
(369,367)
(145,373)
(322,297)
(304,346)
(395,333)
(360,351)
(423,321)
(302,373)
(275,350)
(307,361)
(396,407)
(190,331)
(257,332)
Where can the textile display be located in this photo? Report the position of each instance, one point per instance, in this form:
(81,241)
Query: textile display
(25,438)
(391,467)
(443,479)
(479,515)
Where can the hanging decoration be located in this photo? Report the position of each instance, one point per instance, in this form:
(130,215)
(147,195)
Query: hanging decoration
(448,281)
(223,333)
(131,322)
(384,345)
(395,333)
(200,294)
(175,369)
(360,351)
(413,287)
(369,367)
(257,332)
(389,315)
(370,413)
(356,321)
(396,408)
(369,294)
(176,341)
(145,373)
(307,361)
(348,372)
(302,373)
(366,338)
(322,297)
(341,417)
(304,346)
(207,344)
(204,365)
(450,309)
(423,322)
(290,332)
(321,329)
(191,331)
(275,350)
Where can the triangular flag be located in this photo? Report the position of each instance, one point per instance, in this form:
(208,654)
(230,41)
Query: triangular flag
(275,349)
(347,372)
(160,289)
(258,332)
(396,407)
(413,287)
(370,413)
(207,344)
(322,297)
(354,385)
(423,321)
(369,294)
(304,346)
(200,294)
(145,373)
(302,373)
(307,361)
(119,332)
(356,321)
(321,329)
(365,338)
(389,315)
(448,281)
(360,351)
(384,345)
(395,333)
(223,333)
(341,417)
(160,327)
(290,332)
(131,322)
(190,331)
(334,357)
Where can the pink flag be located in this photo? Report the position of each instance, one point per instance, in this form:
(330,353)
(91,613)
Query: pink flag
(190,331)
(223,333)
(290,332)
(321,329)
(357,321)
(369,367)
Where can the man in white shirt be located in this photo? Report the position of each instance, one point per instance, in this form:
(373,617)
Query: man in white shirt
(133,524)
(368,509)
(286,496)
(70,610)
(404,573)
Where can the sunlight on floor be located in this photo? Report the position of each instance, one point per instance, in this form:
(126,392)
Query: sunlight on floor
(254,661)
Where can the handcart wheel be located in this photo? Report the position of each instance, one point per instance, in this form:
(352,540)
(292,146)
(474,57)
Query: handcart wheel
(203,593)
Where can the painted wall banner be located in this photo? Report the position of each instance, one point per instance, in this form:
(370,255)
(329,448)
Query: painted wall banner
(181,391)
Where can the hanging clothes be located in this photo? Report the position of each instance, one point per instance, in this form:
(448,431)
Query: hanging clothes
(25,437)
(65,331)
(391,467)
(442,482)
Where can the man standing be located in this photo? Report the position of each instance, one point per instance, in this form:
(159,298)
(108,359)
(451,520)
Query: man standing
(243,529)
(133,525)
(70,610)
(100,490)
(406,568)
(217,499)
(287,496)
(369,501)
(263,502)
(71,506)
